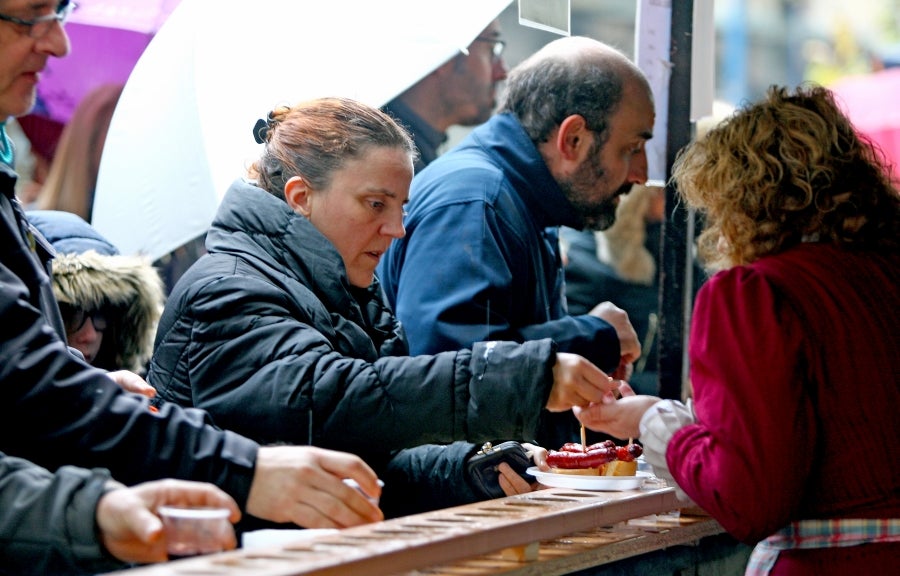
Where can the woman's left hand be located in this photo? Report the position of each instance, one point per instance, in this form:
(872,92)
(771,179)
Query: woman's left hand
(512,483)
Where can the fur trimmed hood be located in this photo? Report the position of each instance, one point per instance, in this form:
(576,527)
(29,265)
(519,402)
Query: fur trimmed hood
(128,286)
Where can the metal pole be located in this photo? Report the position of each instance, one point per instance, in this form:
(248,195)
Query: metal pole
(676,292)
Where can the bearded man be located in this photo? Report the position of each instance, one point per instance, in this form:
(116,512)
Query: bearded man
(480,259)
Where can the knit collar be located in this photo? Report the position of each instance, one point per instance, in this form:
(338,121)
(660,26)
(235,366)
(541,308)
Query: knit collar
(7,151)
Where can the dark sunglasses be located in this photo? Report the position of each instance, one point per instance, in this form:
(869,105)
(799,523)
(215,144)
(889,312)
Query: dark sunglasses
(74,318)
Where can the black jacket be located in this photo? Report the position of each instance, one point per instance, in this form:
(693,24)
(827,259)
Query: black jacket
(57,410)
(48,521)
(266,333)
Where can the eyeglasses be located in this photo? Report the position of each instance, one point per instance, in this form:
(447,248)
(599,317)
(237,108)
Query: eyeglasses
(497,48)
(40,26)
(75,317)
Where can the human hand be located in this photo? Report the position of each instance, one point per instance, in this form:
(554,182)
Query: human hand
(304,485)
(629,345)
(131,382)
(511,483)
(624,371)
(623,390)
(537,454)
(577,382)
(129,528)
(620,418)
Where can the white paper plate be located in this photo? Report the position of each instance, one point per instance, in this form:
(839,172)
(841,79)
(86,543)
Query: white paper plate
(599,483)
(278,536)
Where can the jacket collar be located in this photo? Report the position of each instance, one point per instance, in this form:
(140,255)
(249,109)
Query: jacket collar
(262,229)
(511,148)
(253,224)
(9,177)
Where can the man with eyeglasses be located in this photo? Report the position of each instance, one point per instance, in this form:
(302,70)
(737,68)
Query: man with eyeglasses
(461,92)
(57,412)
(39,26)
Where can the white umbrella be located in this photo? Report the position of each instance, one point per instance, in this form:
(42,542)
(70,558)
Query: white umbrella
(182,130)
(108,31)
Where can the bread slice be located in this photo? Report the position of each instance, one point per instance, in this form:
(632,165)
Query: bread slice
(621,468)
(577,471)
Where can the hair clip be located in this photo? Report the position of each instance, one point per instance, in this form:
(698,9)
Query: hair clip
(260,131)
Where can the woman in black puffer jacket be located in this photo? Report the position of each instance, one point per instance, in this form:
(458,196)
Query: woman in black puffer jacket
(282,334)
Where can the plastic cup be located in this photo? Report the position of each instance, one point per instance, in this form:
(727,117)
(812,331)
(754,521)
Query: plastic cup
(195,531)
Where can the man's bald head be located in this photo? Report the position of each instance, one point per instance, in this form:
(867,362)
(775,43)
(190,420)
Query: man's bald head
(571,75)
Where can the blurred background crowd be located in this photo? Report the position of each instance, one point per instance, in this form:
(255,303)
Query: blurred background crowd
(758,43)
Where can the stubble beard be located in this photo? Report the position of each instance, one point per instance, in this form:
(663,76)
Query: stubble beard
(597,215)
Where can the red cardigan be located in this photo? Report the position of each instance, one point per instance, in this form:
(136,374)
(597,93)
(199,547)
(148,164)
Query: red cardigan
(795,368)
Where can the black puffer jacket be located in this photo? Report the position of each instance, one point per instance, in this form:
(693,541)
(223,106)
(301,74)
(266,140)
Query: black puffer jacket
(266,334)
(57,410)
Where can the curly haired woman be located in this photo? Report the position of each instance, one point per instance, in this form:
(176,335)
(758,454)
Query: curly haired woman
(794,349)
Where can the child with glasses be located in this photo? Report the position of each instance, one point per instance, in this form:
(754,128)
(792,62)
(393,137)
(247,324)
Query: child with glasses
(84,329)
(110,303)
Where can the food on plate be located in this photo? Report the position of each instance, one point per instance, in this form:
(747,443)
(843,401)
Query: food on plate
(621,468)
(601,459)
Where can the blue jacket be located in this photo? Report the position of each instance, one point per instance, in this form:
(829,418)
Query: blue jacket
(480,259)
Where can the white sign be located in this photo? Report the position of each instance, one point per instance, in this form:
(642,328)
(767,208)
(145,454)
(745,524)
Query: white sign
(550,15)
(651,53)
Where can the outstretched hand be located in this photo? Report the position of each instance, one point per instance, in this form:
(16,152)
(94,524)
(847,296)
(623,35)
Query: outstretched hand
(129,528)
(619,418)
(629,345)
(304,485)
(577,382)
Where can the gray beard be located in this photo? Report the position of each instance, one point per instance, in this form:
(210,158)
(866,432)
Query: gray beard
(595,215)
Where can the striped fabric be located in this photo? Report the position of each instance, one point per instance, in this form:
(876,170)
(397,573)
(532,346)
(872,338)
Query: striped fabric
(810,534)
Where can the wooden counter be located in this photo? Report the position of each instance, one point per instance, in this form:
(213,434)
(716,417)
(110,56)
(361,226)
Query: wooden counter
(565,529)
(588,549)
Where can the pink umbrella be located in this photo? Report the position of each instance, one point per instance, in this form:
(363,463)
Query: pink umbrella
(107,37)
(871,101)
